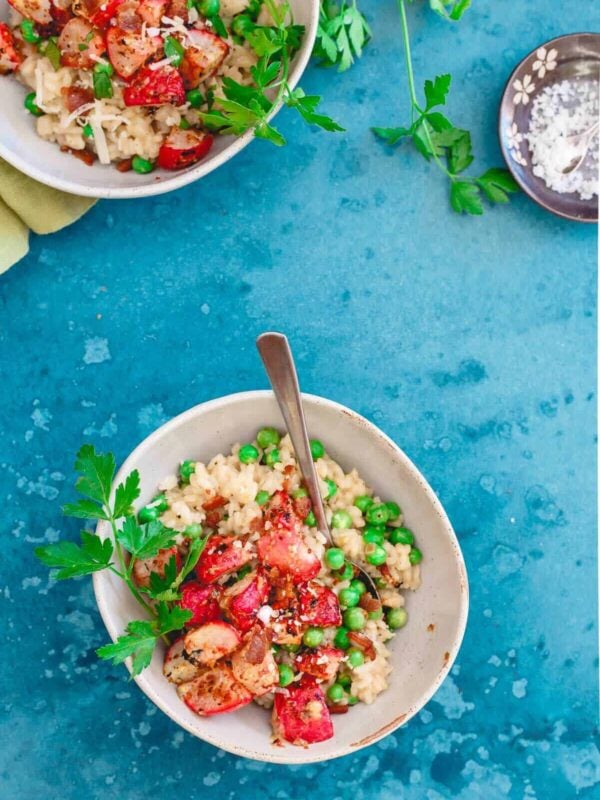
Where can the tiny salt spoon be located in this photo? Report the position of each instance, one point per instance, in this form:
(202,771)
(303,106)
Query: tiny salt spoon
(579,142)
(277,358)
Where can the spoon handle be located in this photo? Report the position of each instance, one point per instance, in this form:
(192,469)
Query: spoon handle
(277,357)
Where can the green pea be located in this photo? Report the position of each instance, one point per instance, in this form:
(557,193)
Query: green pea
(208,8)
(378,514)
(310,520)
(104,68)
(248,454)
(346,574)
(290,648)
(415,556)
(286,674)
(242,24)
(401,536)
(355,657)
(334,558)
(195,98)
(87,131)
(313,637)
(341,519)
(358,586)
(394,510)
(341,639)
(375,554)
(363,502)
(396,618)
(374,536)
(31,106)
(186,469)
(316,448)
(332,488)
(344,680)
(267,436)
(184,124)
(352,701)
(298,493)
(147,514)
(354,619)
(193,531)
(159,503)
(272,457)
(262,497)
(349,598)
(378,614)
(336,693)
(241,573)
(29,32)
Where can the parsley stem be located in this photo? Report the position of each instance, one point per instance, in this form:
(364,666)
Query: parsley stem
(126,576)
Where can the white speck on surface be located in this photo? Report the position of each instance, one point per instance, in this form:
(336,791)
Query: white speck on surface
(205,308)
(96,350)
(451,700)
(41,418)
(211,779)
(494,661)
(151,416)
(519,688)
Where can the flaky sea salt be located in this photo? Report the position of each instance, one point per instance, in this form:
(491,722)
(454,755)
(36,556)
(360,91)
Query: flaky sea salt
(559,111)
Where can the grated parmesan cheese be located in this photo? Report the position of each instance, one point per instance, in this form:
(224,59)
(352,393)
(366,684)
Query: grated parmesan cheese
(162,63)
(77,113)
(99,137)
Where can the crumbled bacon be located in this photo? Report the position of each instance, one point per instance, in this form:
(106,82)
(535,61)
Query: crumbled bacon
(83,155)
(76,96)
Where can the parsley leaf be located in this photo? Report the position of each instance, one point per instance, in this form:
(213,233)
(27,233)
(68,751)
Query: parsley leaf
(306,106)
(342,34)
(144,541)
(436,91)
(450,9)
(496,184)
(73,560)
(464,197)
(126,494)
(174,50)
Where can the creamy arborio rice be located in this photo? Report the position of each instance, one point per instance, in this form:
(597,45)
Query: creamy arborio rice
(240,483)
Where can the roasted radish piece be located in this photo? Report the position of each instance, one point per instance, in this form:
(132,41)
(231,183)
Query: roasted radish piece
(142,568)
(322,663)
(319,606)
(128,50)
(79,44)
(287,552)
(39,11)
(98,12)
(242,600)
(222,554)
(9,56)
(155,88)
(201,601)
(203,56)
(210,642)
(253,664)
(300,714)
(215,691)
(178,8)
(152,11)
(177,668)
(182,148)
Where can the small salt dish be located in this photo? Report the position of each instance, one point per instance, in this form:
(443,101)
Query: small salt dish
(575,59)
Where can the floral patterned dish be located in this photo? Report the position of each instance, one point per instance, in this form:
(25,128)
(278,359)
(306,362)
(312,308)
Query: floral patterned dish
(574,56)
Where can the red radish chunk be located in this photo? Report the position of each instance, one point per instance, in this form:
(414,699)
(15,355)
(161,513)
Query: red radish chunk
(142,568)
(155,88)
(177,668)
(319,606)
(39,11)
(9,56)
(241,601)
(182,148)
(178,8)
(287,552)
(253,664)
(280,512)
(222,554)
(201,601)
(98,12)
(204,54)
(210,642)
(302,507)
(60,11)
(128,51)
(215,691)
(322,663)
(300,715)
(152,12)
(78,42)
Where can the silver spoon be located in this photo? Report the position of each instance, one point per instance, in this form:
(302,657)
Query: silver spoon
(580,142)
(277,357)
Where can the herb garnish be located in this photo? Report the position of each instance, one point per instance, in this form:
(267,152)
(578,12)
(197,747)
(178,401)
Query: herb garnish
(249,107)
(96,473)
(435,137)
(342,33)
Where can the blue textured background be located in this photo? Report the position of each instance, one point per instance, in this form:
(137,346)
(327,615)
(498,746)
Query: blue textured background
(470,341)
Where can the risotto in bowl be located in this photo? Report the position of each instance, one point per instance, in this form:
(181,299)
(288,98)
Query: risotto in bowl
(285,656)
(127,98)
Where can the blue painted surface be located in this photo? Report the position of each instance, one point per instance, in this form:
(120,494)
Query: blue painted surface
(470,341)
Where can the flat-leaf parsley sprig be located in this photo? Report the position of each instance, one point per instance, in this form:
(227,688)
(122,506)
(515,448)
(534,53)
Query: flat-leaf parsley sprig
(342,34)
(130,542)
(435,137)
(246,108)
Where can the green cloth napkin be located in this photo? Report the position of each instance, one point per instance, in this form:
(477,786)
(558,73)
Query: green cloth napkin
(26,204)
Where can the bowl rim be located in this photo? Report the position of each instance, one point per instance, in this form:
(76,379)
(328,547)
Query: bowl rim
(522,184)
(280,757)
(182,178)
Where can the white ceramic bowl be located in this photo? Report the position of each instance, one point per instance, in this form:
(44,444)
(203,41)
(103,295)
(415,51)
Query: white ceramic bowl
(24,149)
(423,651)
